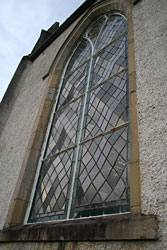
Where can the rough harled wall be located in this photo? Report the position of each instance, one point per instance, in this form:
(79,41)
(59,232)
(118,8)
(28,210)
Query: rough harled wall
(13,141)
(20,118)
(150,30)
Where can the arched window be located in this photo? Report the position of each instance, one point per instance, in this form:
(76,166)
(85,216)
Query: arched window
(85,167)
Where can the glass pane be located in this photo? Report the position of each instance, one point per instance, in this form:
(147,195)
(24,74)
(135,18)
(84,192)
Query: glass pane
(73,85)
(115,26)
(101,183)
(65,128)
(103,177)
(81,54)
(110,61)
(51,196)
(95,28)
(107,106)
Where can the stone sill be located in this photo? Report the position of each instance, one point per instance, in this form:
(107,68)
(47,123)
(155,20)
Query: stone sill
(114,227)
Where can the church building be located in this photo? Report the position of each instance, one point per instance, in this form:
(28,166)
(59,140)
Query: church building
(83,133)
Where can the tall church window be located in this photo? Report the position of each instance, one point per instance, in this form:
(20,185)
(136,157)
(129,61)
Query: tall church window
(85,166)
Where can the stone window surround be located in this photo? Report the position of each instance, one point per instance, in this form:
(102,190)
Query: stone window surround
(99,228)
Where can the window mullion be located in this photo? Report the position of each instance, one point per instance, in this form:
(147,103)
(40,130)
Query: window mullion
(80,133)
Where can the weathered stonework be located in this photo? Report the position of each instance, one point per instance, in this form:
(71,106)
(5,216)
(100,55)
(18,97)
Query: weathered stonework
(116,227)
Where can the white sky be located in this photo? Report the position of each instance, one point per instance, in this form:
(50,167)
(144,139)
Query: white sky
(21,22)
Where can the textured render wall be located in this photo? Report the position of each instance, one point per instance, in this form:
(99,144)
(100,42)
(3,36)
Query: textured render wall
(15,136)
(150,30)
(14,139)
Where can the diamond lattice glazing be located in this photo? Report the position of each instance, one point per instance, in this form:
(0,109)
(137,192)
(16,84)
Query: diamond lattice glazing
(85,166)
(110,61)
(64,128)
(103,171)
(52,193)
(107,106)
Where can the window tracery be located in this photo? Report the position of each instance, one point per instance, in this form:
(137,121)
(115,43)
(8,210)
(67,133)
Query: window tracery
(85,167)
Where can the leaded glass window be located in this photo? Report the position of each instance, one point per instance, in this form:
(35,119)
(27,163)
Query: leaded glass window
(85,167)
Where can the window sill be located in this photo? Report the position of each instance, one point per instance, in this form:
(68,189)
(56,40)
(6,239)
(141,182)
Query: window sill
(114,227)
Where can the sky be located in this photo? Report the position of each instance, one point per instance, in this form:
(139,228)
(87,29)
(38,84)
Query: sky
(21,23)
